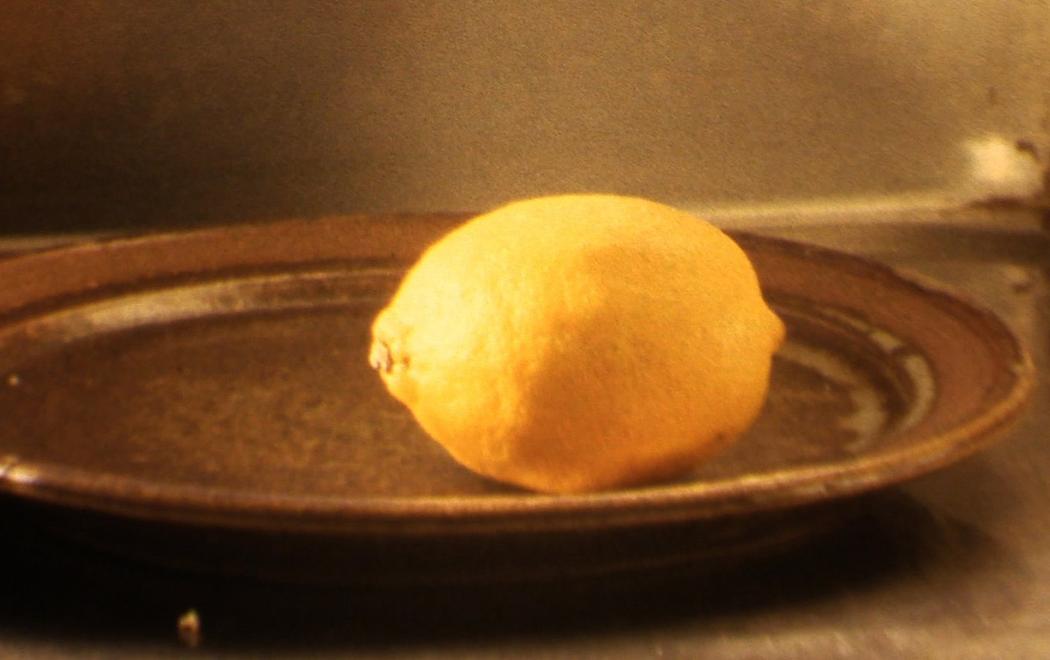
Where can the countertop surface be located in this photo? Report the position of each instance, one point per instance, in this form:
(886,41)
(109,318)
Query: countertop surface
(955,564)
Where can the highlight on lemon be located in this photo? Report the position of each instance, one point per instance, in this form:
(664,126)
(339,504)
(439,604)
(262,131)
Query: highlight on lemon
(580,342)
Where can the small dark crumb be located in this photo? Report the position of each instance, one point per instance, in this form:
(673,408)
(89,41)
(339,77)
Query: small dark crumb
(1028,147)
(189,628)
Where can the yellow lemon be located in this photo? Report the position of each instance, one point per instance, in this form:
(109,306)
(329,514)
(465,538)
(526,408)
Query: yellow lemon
(580,342)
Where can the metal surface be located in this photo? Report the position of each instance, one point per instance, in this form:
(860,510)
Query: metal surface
(954,564)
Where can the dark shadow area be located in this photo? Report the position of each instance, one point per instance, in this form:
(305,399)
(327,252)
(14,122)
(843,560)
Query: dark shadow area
(61,591)
(158,202)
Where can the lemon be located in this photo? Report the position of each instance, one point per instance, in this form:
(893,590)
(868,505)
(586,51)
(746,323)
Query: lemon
(580,342)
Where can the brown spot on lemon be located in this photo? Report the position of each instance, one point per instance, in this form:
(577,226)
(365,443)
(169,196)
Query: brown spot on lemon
(580,342)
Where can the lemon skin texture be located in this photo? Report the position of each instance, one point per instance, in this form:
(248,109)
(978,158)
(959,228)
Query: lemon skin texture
(580,342)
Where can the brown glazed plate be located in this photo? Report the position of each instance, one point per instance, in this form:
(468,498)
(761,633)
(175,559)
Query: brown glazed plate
(203,399)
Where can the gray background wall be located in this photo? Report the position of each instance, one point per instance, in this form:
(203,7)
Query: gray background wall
(119,113)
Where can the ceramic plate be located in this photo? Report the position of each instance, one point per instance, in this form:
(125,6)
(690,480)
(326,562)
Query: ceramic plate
(168,390)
